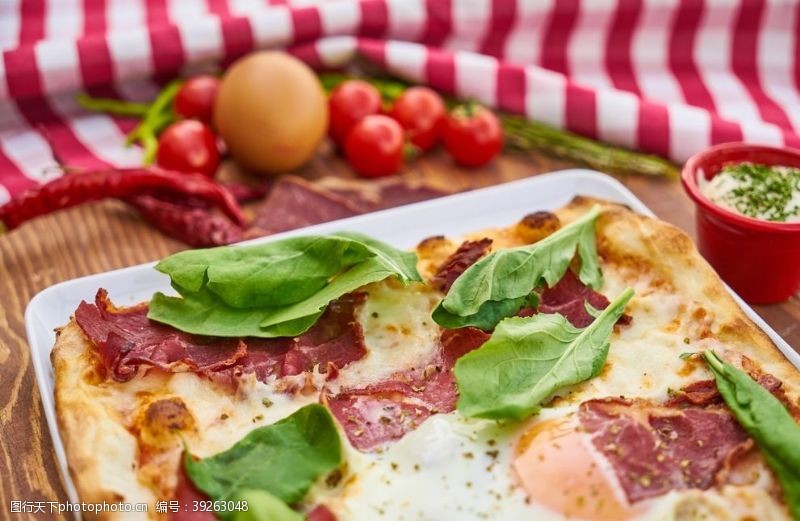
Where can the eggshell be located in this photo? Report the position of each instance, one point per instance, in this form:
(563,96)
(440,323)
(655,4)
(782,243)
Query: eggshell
(271,111)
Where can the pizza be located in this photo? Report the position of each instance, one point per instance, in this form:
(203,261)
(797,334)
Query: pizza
(584,363)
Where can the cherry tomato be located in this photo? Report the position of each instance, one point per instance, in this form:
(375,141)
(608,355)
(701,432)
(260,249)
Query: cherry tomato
(188,146)
(349,103)
(421,112)
(374,147)
(195,98)
(472,135)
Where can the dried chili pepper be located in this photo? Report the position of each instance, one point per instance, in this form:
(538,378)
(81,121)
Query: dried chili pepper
(243,193)
(197,227)
(74,189)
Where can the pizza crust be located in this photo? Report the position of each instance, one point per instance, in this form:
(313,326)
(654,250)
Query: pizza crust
(101,453)
(634,243)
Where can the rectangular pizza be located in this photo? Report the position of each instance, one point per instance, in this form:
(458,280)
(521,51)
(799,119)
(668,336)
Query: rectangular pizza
(580,364)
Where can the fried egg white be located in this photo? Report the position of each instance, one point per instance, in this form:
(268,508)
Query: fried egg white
(545,469)
(450,467)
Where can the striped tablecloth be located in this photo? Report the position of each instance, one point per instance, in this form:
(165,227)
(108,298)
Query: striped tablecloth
(665,76)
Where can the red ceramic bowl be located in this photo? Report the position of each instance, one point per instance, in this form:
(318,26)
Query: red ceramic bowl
(759,259)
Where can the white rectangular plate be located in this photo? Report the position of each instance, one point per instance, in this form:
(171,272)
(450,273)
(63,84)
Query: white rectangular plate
(403,227)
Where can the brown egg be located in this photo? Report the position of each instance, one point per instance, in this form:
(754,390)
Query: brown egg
(271,111)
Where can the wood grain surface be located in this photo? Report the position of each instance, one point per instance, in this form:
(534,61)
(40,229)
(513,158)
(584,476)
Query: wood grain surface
(105,236)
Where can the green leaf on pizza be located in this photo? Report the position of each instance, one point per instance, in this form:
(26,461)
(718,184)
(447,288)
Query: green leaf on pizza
(263,506)
(489,314)
(497,285)
(274,289)
(372,270)
(283,459)
(202,313)
(767,421)
(271,274)
(528,359)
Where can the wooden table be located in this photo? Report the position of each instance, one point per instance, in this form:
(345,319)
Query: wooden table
(106,236)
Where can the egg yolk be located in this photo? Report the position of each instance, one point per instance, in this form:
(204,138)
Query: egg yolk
(559,469)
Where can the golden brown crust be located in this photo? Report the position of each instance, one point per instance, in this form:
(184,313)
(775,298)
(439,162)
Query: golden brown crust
(636,242)
(536,226)
(432,252)
(102,454)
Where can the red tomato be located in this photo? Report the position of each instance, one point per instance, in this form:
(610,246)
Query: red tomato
(188,146)
(472,136)
(421,112)
(374,147)
(349,103)
(195,98)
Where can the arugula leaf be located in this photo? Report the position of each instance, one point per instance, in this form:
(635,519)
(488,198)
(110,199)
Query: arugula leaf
(202,313)
(271,274)
(263,506)
(496,283)
(401,262)
(274,289)
(487,317)
(283,459)
(528,359)
(767,421)
(372,270)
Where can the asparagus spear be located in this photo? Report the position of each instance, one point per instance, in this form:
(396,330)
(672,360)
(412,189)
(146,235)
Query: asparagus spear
(524,134)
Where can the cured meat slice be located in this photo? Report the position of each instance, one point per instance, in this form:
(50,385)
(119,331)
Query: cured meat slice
(385,411)
(457,263)
(126,340)
(655,449)
(569,297)
(295,203)
(705,392)
(701,392)
(379,194)
(128,343)
(320,513)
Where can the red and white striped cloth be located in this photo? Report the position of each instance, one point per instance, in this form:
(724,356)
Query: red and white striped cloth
(665,76)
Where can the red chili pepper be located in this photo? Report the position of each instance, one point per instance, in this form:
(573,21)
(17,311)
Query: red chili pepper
(73,189)
(197,227)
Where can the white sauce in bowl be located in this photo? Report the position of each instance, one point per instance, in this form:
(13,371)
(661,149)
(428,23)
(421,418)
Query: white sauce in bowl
(769,193)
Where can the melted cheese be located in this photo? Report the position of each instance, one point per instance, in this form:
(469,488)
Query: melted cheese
(223,418)
(644,358)
(398,332)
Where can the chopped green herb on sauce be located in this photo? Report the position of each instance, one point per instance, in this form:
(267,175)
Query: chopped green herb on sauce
(764,192)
